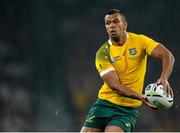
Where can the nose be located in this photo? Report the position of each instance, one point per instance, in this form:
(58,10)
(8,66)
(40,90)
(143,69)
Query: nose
(112,25)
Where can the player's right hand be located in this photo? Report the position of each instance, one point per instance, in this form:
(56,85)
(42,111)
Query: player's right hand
(145,100)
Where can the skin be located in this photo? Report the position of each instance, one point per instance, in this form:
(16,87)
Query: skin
(116,29)
(90,129)
(168,60)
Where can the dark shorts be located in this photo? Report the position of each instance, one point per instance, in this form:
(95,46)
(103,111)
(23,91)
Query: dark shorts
(104,113)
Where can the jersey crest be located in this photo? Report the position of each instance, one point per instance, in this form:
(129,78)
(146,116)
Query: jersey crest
(132,51)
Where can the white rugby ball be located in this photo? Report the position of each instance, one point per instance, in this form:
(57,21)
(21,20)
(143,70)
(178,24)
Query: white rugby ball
(156,95)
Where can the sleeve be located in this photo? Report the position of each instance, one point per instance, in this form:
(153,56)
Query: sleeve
(149,44)
(103,64)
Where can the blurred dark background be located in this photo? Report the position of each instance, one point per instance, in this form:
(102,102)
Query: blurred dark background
(47,53)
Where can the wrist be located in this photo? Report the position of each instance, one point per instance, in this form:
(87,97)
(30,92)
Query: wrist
(164,77)
(143,98)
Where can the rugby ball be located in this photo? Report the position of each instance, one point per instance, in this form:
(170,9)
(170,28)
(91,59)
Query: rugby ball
(156,95)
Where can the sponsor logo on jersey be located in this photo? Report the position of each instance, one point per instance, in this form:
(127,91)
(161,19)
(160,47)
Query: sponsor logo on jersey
(114,59)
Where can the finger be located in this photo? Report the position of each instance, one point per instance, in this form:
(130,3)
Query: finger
(158,81)
(171,92)
(152,106)
(155,108)
(165,88)
(144,96)
(145,100)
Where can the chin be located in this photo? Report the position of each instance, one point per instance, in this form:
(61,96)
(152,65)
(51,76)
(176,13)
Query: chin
(115,38)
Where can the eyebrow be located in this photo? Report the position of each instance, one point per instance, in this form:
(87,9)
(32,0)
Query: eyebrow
(112,20)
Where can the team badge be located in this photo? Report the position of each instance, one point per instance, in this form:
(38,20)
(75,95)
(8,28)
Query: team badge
(132,51)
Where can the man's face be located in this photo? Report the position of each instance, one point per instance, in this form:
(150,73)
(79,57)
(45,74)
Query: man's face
(115,25)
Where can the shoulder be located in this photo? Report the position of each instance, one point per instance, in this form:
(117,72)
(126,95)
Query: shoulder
(136,35)
(103,52)
(103,49)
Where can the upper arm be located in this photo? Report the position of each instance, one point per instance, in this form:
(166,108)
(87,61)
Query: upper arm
(103,63)
(148,44)
(106,69)
(160,51)
(155,49)
(111,79)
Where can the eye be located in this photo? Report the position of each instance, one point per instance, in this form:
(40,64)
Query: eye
(116,21)
(107,23)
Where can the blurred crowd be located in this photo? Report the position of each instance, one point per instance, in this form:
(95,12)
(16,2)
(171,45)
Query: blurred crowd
(16,70)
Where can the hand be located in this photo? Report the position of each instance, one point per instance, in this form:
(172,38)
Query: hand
(145,100)
(166,86)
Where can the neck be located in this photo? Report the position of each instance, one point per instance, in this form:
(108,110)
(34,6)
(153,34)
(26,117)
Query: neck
(121,40)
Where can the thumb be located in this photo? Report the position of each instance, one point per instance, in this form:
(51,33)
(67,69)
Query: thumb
(158,81)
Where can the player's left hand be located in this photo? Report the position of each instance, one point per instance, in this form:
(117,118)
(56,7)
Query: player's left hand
(166,86)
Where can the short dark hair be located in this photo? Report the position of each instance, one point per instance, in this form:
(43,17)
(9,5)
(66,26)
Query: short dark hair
(114,11)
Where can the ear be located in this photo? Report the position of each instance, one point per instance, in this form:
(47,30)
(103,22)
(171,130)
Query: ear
(125,25)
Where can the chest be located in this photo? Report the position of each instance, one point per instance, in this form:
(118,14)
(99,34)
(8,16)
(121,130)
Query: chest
(126,58)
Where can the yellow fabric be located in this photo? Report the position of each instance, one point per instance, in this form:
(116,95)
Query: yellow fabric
(129,61)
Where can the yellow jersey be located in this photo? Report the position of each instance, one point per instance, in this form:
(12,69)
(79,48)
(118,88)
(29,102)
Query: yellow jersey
(129,61)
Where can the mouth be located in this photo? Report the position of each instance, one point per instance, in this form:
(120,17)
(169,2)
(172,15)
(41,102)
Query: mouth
(113,32)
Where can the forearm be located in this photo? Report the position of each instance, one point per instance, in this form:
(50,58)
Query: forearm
(167,65)
(161,52)
(125,91)
(113,81)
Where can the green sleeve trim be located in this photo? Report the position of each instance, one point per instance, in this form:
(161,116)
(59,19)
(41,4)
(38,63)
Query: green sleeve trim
(104,52)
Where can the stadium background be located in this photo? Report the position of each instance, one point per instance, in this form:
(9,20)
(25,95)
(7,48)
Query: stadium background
(47,51)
